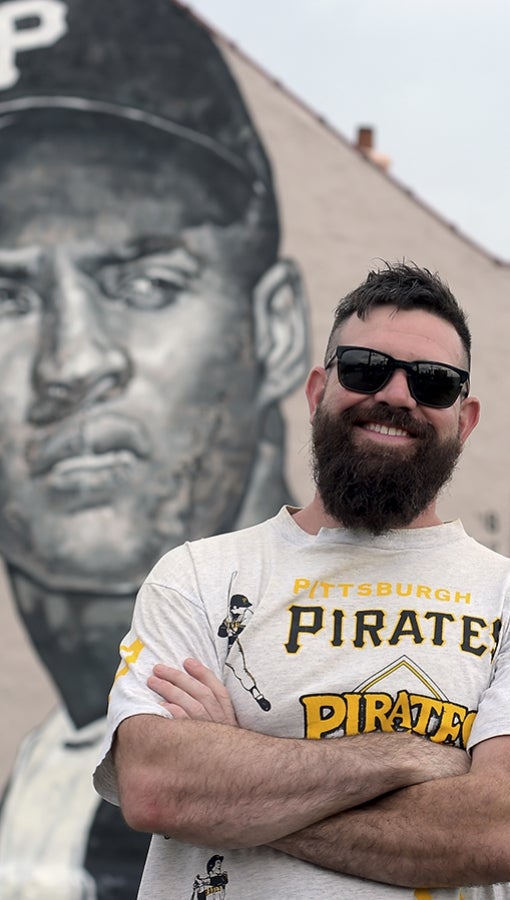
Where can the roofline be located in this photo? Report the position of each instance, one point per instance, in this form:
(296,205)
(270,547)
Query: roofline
(337,134)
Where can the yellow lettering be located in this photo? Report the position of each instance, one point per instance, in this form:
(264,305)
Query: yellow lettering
(383,588)
(442,594)
(450,724)
(364,590)
(466,597)
(400,715)
(404,593)
(377,706)
(324,713)
(129,654)
(301,584)
(352,718)
(423,591)
(344,589)
(427,706)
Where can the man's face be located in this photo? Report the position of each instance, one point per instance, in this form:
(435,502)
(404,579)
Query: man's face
(127,371)
(380,459)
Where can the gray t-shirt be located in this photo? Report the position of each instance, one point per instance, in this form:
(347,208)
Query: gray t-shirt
(317,636)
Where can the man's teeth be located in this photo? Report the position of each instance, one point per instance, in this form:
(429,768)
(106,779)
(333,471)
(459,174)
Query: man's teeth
(386,429)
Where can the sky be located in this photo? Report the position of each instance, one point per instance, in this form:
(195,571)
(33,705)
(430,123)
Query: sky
(432,77)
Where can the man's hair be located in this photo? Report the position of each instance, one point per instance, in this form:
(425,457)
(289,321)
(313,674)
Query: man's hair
(405,286)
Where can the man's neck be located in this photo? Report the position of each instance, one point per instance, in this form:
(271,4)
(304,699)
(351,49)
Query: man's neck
(313,517)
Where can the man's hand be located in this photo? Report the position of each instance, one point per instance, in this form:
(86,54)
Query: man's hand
(195,693)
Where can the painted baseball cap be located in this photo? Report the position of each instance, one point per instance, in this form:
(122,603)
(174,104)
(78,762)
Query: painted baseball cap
(150,62)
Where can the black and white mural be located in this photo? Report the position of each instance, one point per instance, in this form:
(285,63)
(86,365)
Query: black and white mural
(148,331)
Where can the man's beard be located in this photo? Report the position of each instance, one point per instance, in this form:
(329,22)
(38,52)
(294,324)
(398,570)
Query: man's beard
(377,488)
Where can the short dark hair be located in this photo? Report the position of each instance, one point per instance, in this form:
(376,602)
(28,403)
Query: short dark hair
(404,286)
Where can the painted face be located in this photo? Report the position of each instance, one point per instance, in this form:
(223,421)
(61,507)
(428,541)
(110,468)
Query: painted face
(127,370)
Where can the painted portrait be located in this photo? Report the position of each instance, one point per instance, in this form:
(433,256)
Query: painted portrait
(149,330)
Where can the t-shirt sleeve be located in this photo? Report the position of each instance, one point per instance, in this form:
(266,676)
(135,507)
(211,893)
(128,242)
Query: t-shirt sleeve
(167,627)
(493,716)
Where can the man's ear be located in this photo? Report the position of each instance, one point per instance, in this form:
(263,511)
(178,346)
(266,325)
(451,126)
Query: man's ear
(314,389)
(469,416)
(280,312)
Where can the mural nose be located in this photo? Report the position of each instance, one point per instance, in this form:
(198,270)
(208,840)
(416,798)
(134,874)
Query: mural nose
(78,362)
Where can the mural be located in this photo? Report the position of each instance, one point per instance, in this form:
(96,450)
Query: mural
(148,331)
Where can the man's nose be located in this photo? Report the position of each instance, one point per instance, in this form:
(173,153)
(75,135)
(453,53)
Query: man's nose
(396,392)
(78,362)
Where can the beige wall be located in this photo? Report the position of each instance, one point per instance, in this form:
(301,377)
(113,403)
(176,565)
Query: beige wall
(26,694)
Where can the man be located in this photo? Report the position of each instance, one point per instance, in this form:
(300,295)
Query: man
(374,625)
(148,330)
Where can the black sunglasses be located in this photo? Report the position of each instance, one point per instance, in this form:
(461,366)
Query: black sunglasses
(367,371)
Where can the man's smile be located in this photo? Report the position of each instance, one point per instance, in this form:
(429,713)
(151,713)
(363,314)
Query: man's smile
(389,430)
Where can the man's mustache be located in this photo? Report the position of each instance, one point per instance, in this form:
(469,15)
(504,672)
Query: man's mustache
(86,434)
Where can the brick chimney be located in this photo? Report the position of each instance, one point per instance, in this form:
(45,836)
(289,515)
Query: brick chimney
(365,144)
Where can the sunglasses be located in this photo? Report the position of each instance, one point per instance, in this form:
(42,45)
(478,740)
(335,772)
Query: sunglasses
(367,371)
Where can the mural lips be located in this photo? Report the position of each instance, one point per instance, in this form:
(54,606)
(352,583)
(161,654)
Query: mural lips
(102,438)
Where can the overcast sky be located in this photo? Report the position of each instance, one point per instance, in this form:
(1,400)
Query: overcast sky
(431,76)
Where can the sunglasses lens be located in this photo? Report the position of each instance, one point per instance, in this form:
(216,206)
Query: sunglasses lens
(368,371)
(364,371)
(435,385)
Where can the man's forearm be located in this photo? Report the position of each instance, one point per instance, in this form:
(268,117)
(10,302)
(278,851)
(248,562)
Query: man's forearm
(203,782)
(445,833)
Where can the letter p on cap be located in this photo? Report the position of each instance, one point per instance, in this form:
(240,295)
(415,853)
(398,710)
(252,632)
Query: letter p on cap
(45,24)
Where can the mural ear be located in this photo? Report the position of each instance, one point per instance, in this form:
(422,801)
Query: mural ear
(281,331)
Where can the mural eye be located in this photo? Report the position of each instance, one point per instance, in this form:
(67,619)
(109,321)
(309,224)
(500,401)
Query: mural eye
(147,289)
(16,299)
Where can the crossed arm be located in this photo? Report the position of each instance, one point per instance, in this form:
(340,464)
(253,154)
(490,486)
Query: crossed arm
(453,831)
(388,807)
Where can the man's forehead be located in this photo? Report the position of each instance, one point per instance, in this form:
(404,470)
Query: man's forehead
(387,328)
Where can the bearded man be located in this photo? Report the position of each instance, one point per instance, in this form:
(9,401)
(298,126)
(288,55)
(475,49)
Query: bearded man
(375,628)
